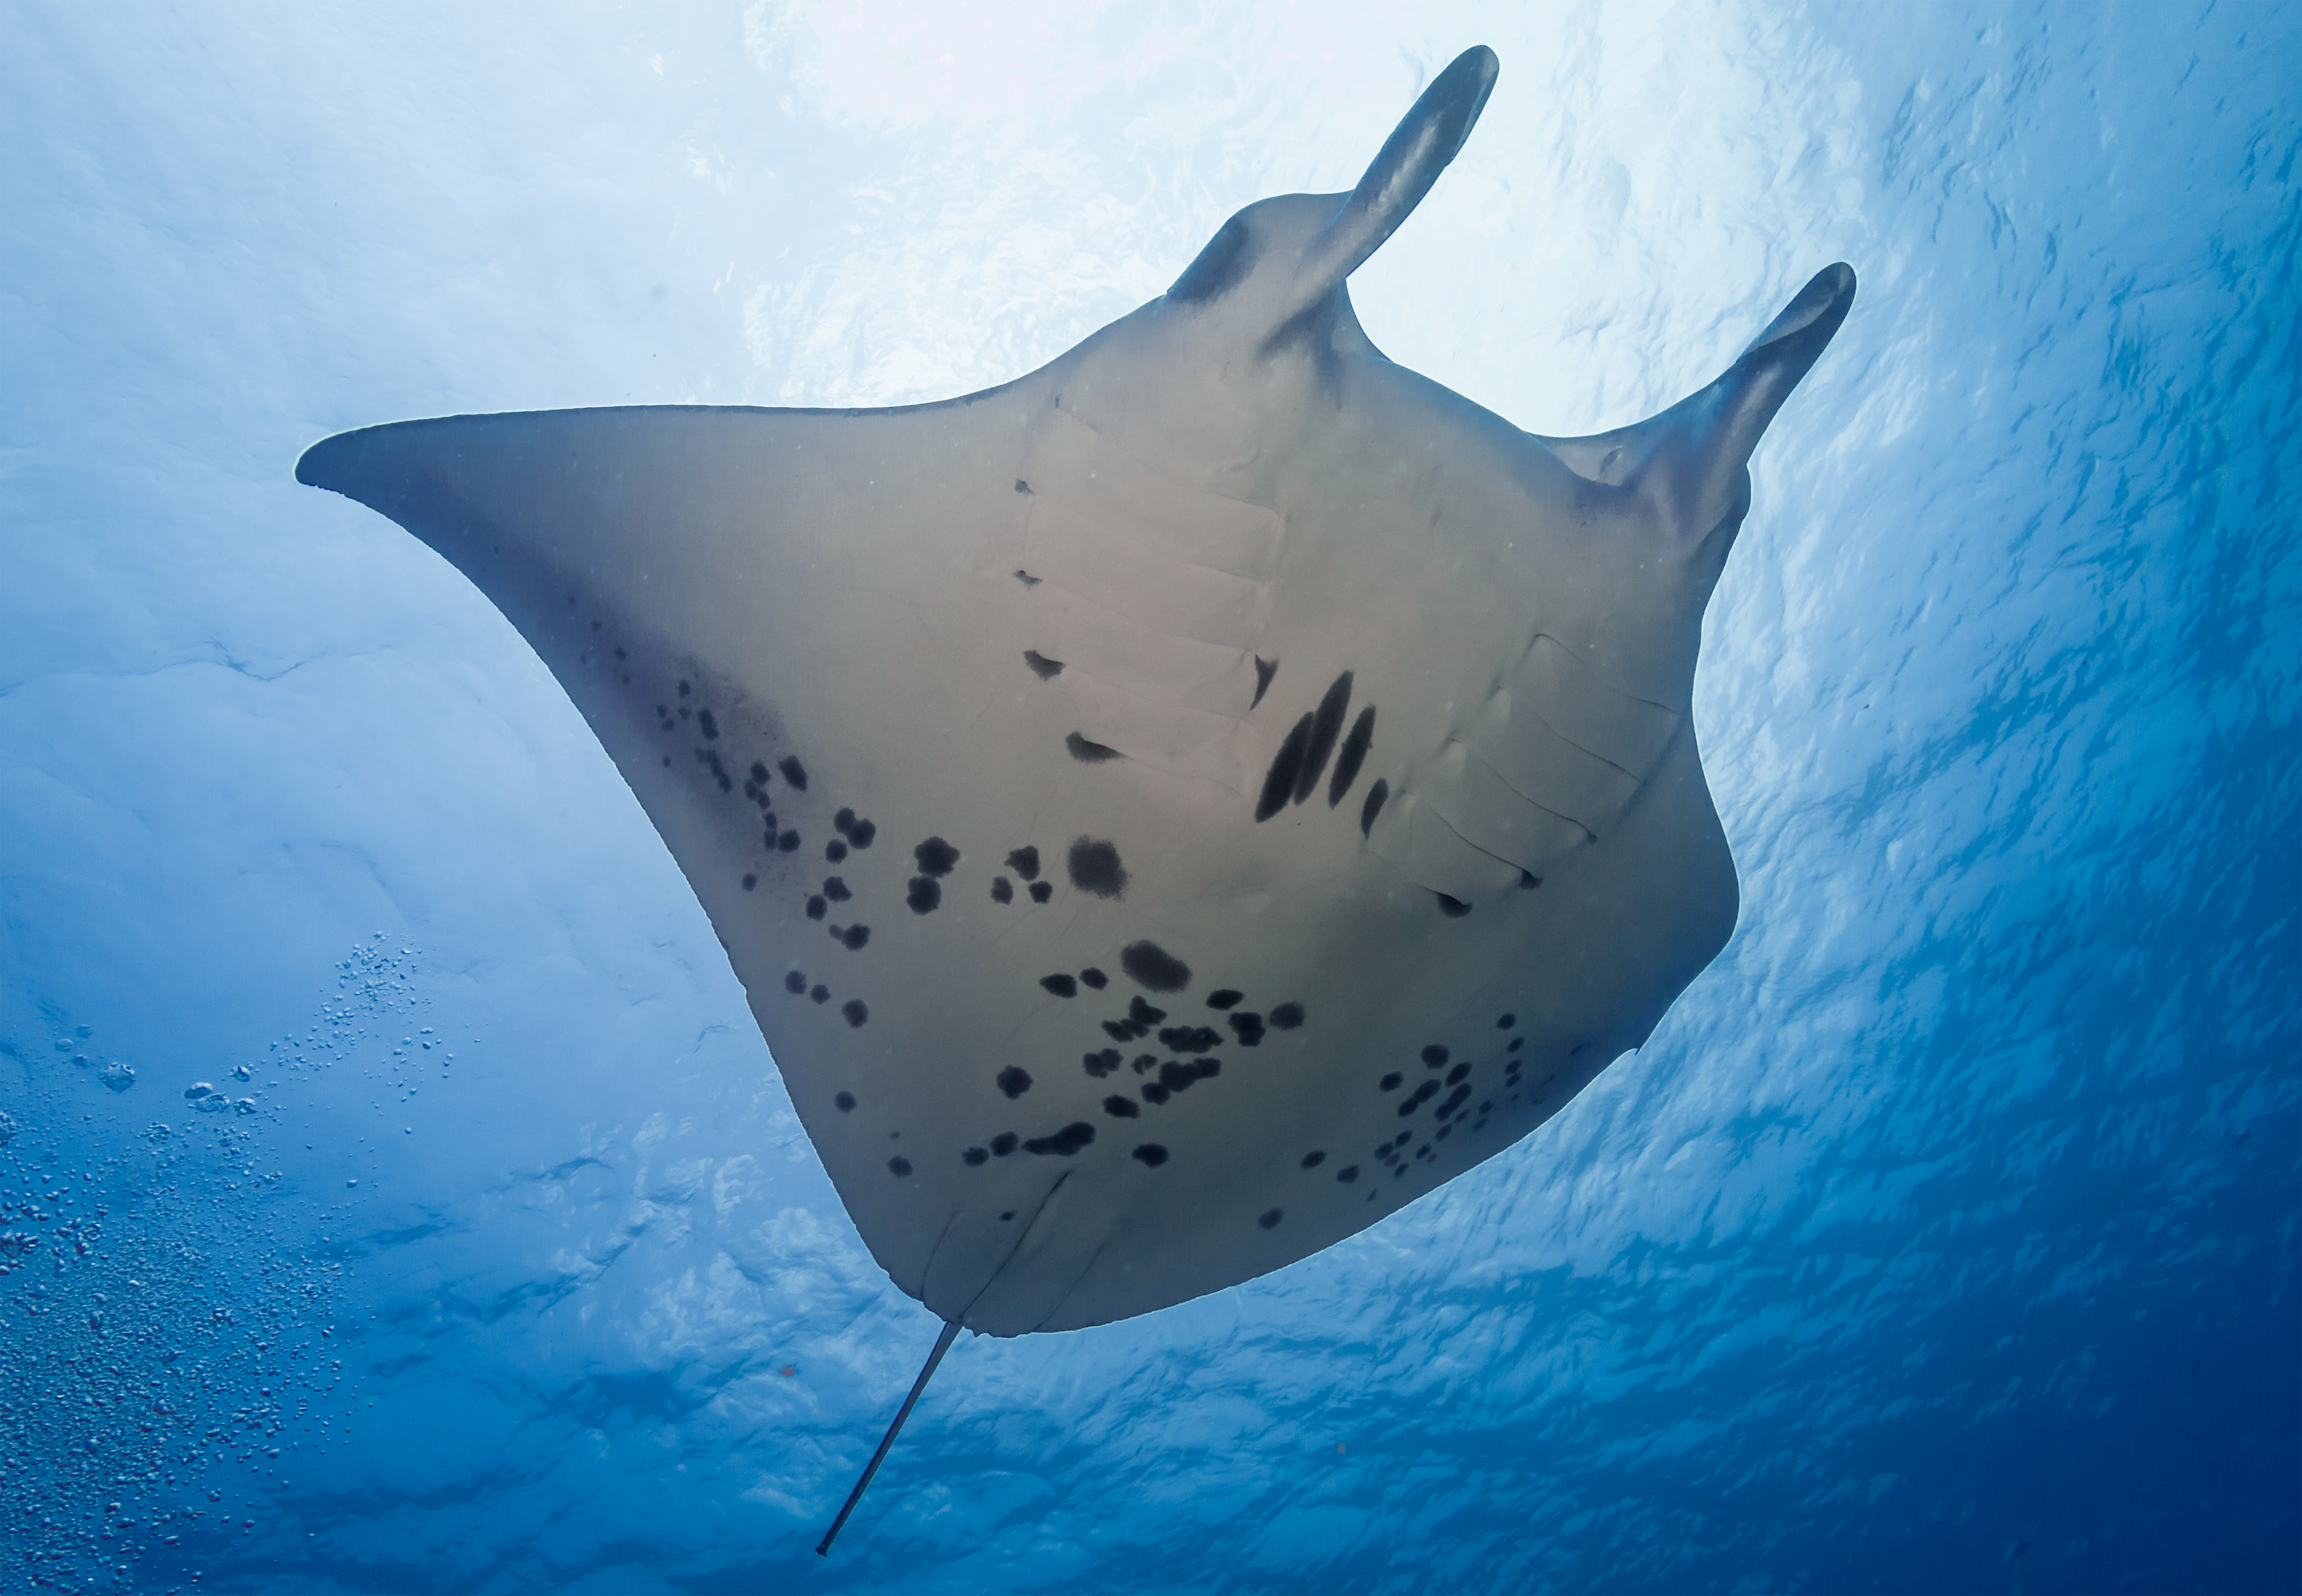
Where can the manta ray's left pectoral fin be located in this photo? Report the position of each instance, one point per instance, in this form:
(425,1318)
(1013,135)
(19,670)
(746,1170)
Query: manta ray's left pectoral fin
(1690,461)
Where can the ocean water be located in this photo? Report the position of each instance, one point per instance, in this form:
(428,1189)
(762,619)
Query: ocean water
(1945,1235)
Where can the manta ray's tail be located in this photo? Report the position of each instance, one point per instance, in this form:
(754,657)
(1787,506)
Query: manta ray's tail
(942,1346)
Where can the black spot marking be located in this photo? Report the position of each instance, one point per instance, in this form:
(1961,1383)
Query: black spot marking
(759,774)
(707,726)
(835,851)
(1095,978)
(1270,1221)
(976,1157)
(1043,667)
(1025,862)
(1122,1108)
(794,983)
(1225,999)
(1087,752)
(1009,1215)
(815,907)
(1286,765)
(1065,1143)
(749,882)
(1250,1027)
(1177,1077)
(1014,1081)
(1021,486)
(1027,579)
(901,1166)
(1061,986)
(1217,268)
(836,890)
(860,835)
(935,857)
(1455,1100)
(1455,1075)
(1326,726)
(1506,1022)
(854,1010)
(1287,1016)
(1154,1093)
(819,993)
(794,771)
(1145,1062)
(1434,1055)
(1347,1174)
(844,1101)
(1452,908)
(1104,1064)
(684,688)
(854,937)
(843,821)
(1143,1014)
(1313,1160)
(1147,964)
(1003,891)
(1418,1098)
(1121,1031)
(1003,1144)
(1353,756)
(1390,1082)
(1041,891)
(666,762)
(923,894)
(1190,1038)
(1372,806)
(1515,1044)
(1264,669)
(1528,881)
(788,843)
(1151,1153)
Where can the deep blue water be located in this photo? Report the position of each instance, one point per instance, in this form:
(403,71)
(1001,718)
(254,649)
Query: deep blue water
(1944,1238)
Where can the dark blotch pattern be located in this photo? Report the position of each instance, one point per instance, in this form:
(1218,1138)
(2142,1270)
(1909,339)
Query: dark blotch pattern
(1264,669)
(1227,999)
(1250,1029)
(1061,986)
(854,1011)
(794,771)
(1390,1082)
(1003,891)
(1094,866)
(1286,765)
(836,890)
(1004,1143)
(1455,1075)
(788,843)
(1151,1153)
(1270,1221)
(1154,1093)
(1043,667)
(749,882)
(1094,978)
(835,851)
(1313,1160)
(1452,908)
(1506,1022)
(816,907)
(923,894)
(1065,1143)
(1014,1081)
(1326,726)
(794,983)
(1528,881)
(1143,1015)
(819,993)
(935,857)
(1041,891)
(975,1157)
(1353,756)
(1190,1038)
(861,833)
(1347,1174)
(901,1167)
(1372,806)
(1025,862)
(1122,1108)
(705,724)
(844,1101)
(854,937)
(759,774)
(1088,753)
(1287,1016)
(1101,1065)
(1434,1055)
(1147,964)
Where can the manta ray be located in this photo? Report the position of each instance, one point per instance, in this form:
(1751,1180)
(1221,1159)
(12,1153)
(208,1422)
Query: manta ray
(1171,811)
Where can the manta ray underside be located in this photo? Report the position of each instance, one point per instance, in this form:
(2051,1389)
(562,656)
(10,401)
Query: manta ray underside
(1171,811)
